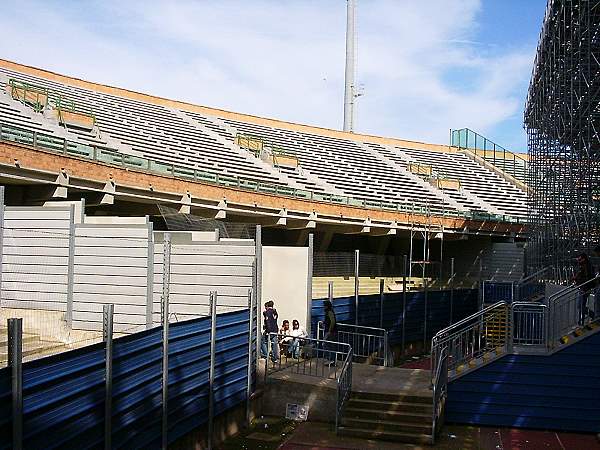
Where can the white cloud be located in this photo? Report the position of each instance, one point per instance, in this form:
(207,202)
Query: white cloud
(284,59)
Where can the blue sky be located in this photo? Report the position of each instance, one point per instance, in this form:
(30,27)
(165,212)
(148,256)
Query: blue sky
(426,66)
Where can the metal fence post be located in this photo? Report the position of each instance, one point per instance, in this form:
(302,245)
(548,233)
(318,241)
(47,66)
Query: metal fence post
(1,237)
(381,295)
(356,284)
(211,377)
(107,331)
(250,351)
(71,268)
(426,285)
(451,290)
(404,303)
(258,286)
(15,360)
(164,307)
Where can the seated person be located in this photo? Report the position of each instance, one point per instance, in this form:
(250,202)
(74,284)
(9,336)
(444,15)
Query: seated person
(297,333)
(285,340)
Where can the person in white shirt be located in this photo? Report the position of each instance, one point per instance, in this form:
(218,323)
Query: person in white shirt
(285,339)
(297,333)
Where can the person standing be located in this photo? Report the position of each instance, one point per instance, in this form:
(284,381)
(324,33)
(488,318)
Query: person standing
(270,330)
(330,332)
(582,278)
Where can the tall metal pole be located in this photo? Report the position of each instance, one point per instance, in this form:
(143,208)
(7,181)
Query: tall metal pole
(451,290)
(349,93)
(165,336)
(356,284)
(381,289)
(211,379)
(15,359)
(250,352)
(404,303)
(107,322)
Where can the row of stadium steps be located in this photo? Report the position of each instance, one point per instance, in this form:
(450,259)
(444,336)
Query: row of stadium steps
(401,417)
(158,133)
(344,286)
(153,132)
(34,346)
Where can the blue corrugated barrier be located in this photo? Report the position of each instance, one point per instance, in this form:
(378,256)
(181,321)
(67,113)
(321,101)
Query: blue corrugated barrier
(63,395)
(556,392)
(464,303)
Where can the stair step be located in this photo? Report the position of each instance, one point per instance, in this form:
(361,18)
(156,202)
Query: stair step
(411,438)
(27,339)
(387,416)
(384,426)
(399,408)
(391,398)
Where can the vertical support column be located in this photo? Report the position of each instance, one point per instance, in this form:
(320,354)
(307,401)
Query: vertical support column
(250,351)
(258,285)
(425,301)
(480,287)
(309,282)
(381,296)
(356,284)
(150,277)
(451,290)
(330,291)
(211,376)
(107,331)
(1,238)
(404,303)
(164,309)
(15,359)
(410,253)
(71,268)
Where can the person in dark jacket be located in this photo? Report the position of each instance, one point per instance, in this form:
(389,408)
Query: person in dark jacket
(330,332)
(270,330)
(582,278)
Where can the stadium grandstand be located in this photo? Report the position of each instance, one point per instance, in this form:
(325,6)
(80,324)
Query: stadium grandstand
(141,237)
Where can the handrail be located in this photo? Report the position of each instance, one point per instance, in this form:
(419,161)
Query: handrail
(533,275)
(439,385)
(467,319)
(344,387)
(365,341)
(76,149)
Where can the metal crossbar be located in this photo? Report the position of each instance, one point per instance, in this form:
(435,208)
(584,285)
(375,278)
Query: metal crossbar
(369,344)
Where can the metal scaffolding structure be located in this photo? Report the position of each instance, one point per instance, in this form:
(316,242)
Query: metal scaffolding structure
(562,119)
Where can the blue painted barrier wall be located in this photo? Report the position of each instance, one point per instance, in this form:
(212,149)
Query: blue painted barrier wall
(557,392)
(464,303)
(63,395)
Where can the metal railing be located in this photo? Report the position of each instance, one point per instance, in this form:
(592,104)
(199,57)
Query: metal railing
(440,391)
(473,337)
(529,325)
(344,388)
(313,357)
(106,155)
(369,344)
(567,309)
(497,291)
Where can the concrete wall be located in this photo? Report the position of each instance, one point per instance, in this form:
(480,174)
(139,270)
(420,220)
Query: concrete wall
(200,264)
(113,264)
(36,257)
(285,280)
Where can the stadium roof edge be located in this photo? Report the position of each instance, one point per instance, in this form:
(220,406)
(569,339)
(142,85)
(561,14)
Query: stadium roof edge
(152,99)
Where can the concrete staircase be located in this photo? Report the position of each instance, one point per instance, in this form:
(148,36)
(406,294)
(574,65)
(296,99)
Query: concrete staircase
(401,417)
(33,346)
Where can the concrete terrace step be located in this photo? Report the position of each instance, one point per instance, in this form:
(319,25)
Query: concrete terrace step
(385,426)
(388,415)
(389,408)
(411,438)
(389,398)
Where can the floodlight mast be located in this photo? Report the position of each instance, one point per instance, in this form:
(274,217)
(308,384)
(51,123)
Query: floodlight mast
(349,89)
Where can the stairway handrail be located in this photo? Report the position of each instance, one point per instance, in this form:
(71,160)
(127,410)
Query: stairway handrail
(440,387)
(554,297)
(467,319)
(533,275)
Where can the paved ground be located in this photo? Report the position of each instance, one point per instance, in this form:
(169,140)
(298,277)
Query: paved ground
(270,433)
